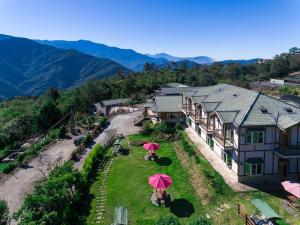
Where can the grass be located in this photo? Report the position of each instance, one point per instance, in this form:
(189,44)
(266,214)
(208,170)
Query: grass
(196,190)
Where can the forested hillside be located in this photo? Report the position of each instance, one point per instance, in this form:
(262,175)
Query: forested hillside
(35,115)
(29,68)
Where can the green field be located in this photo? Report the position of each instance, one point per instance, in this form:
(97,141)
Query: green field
(192,192)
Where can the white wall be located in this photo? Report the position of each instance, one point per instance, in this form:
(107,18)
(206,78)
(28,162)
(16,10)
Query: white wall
(218,149)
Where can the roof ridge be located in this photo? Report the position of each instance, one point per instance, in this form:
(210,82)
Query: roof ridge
(251,105)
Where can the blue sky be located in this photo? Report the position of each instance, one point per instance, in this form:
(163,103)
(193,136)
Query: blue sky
(222,29)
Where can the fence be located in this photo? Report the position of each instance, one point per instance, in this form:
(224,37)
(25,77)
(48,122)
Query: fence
(247,220)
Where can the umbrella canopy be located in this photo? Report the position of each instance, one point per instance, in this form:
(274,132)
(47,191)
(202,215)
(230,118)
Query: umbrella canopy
(151,146)
(292,187)
(160,181)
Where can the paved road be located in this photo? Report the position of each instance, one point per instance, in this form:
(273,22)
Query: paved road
(16,186)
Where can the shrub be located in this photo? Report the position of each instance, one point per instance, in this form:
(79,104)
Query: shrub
(89,165)
(4,213)
(62,131)
(178,126)
(281,222)
(87,139)
(167,220)
(10,167)
(102,120)
(147,127)
(201,221)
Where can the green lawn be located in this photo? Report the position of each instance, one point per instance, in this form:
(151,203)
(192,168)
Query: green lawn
(128,186)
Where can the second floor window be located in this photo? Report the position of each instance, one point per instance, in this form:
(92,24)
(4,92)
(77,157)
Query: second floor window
(255,136)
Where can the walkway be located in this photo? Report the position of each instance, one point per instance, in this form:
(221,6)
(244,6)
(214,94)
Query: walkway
(228,175)
(16,186)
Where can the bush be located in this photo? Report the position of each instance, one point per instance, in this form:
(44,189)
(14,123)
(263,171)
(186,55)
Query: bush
(178,126)
(281,222)
(89,165)
(167,220)
(147,127)
(62,132)
(4,213)
(10,167)
(87,139)
(201,221)
(102,120)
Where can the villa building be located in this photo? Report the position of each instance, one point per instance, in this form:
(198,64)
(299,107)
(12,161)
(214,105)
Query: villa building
(256,136)
(165,108)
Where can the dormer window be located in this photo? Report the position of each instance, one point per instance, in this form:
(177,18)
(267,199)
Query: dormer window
(264,110)
(289,110)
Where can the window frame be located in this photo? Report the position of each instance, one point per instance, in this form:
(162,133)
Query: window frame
(255,136)
(253,167)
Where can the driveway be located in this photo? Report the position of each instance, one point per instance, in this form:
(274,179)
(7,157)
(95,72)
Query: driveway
(16,186)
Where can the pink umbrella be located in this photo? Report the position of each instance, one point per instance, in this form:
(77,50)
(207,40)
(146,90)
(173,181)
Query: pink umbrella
(160,181)
(151,146)
(292,187)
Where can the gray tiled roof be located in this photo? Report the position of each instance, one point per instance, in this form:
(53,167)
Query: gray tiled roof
(227,116)
(210,106)
(245,107)
(167,104)
(175,90)
(277,111)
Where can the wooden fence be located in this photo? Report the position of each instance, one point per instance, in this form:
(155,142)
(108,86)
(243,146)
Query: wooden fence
(247,220)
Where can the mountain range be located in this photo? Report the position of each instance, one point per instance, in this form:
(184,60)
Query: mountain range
(29,68)
(126,57)
(198,59)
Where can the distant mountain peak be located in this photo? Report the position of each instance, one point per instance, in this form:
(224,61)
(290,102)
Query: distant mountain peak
(197,59)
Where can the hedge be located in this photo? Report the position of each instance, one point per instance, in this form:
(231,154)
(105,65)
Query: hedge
(91,161)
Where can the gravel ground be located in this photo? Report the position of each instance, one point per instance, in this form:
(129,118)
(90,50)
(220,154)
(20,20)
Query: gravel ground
(15,187)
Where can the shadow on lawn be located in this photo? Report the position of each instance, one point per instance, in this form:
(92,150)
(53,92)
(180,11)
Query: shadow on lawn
(164,161)
(182,208)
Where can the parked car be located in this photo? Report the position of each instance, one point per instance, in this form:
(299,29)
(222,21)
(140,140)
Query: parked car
(78,141)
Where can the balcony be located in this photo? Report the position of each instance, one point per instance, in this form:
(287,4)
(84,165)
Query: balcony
(220,138)
(187,109)
(288,152)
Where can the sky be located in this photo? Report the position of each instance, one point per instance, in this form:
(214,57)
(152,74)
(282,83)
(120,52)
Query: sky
(221,29)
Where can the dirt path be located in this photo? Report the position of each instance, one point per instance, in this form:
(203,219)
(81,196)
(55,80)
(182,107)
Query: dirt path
(15,187)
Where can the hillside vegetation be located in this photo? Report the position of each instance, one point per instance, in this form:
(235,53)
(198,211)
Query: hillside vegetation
(36,115)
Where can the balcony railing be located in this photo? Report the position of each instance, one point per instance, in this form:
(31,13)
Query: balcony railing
(220,137)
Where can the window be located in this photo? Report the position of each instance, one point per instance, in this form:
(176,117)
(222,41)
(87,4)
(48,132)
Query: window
(172,116)
(253,169)
(198,130)
(264,110)
(255,136)
(289,110)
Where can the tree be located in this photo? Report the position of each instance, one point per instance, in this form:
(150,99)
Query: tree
(167,220)
(4,213)
(294,50)
(55,200)
(280,66)
(52,94)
